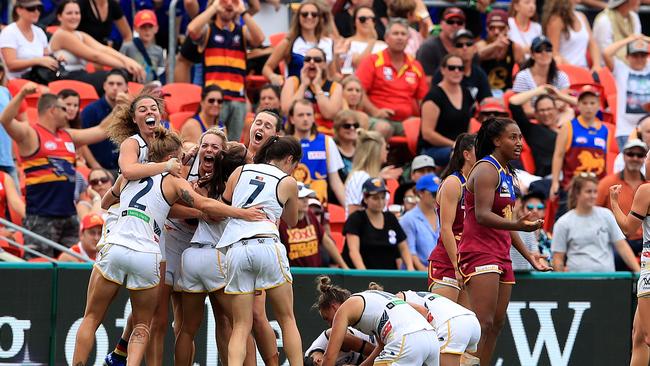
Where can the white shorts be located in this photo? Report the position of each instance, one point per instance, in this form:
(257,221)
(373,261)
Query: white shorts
(174,247)
(419,348)
(643,284)
(141,269)
(459,334)
(202,270)
(256,264)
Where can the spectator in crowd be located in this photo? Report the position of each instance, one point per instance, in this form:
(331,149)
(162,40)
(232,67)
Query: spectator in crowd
(498,54)
(584,236)
(316,85)
(98,18)
(632,83)
(71,100)
(224,42)
(346,20)
(353,95)
(570,34)
(48,150)
(539,69)
(10,201)
(206,117)
(308,29)
(406,9)
(321,160)
(435,48)
(346,124)
(634,154)
(143,48)
(474,78)
(394,82)
(363,42)
(99,182)
(446,111)
(23,45)
(105,152)
(618,21)
(541,136)
(269,99)
(370,154)
(642,132)
(532,204)
(7,163)
(405,194)
(580,147)
(421,224)
(522,23)
(306,240)
(90,231)
(374,238)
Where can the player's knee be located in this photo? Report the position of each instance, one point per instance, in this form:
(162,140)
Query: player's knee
(140,333)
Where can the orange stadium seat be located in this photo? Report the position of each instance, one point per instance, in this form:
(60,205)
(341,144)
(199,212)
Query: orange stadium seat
(135,88)
(339,240)
(183,97)
(337,217)
(611,158)
(611,146)
(391,185)
(32,115)
(14,86)
(178,119)
(527,159)
(474,125)
(412,133)
(87,92)
(577,75)
(276,38)
(52,28)
(607,81)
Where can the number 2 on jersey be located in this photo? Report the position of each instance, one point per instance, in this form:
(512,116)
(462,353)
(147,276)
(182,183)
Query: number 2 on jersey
(259,186)
(134,201)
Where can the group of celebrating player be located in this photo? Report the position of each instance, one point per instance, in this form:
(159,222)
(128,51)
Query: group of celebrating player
(221,239)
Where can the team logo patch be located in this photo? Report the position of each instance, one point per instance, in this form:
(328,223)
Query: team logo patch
(581,140)
(218,38)
(69,146)
(50,145)
(600,142)
(388,73)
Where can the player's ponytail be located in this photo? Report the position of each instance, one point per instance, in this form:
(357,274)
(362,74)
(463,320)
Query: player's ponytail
(375,286)
(329,294)
(163,144)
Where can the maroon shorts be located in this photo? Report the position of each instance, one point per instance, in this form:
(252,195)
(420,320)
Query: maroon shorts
(441,273)
(476,263)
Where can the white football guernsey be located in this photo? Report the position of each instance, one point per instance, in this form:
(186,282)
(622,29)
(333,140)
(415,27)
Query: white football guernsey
(143,149)
(257,185)
(442,309)
(180,229)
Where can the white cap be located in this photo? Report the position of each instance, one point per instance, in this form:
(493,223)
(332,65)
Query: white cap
(422,161)
(304,192)
(315,201)
(635,143)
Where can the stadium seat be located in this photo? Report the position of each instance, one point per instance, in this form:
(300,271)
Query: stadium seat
(412,133)
(11,249)
(607,81)
(339,240)
(337,217)
(38,260)
(183,97)
(14,86)
(474,125)
(51,29)
(87,92)
(178,119)
(577,75)
(276,38)
(611,158)
(391,185)
(527,159)
(135,88)
(32,115)
(611,145)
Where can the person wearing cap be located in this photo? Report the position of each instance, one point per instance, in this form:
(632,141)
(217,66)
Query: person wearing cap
(498,54)
(641,132)
(630,179)
(571,40)
(90,231)
(442,121)
(580,147)
(435,48)
(632,86)
(617,21)
(394,82)
(143,48)
(305,240)
(421,224)
(98,18)
(374,238)
(474,78)
(405,194)
(491,108)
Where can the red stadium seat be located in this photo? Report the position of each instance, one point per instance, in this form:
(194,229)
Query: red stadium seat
(577,75)
(527,159)
(339,240)
(87,92)
(611,158)
(38,260)
(611,144)
(52,28)
(391,185)
(337,217)
(474,125)
(178,119)
(607,81)
(14,86)
(276,38)
(412,133)
(135,88)
(32,115)
(18,238)
(183,97)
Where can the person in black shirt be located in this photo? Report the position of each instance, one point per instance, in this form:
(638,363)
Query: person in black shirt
(98,28)
(374,238)
(344,20)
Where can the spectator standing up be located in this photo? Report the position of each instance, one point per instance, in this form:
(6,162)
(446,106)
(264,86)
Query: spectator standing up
(581,147)
(315,85)
(522,23)
(474,78)
(498,54)
(570,34)
(374,238)
(90,233)
(632,82)
(224,42)
(48,153)
(531,205)
(206,117)
(584,237)
(306,240)
(446,111)
(406,9)
(435,48)
(321,160)
(421,224)
(363,42)
(642,132)
(618,21)
(634,154)
(345,20)
(143,48)
(23,45)
(98,18)
(394,82)
(105,152)
(541,136)
(12,208)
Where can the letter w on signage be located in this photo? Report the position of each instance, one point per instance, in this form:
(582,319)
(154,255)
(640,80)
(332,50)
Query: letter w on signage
(547,335)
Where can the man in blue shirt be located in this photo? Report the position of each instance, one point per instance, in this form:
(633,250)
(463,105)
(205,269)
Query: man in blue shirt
(105,152)
(421,224)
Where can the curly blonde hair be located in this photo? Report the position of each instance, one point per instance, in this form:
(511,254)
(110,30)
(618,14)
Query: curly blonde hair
(123,125)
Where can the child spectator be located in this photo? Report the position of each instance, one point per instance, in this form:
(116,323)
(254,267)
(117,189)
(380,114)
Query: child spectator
(143,48)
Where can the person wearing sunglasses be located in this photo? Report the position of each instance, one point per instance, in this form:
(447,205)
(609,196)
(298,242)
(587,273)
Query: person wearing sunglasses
(315,85)
(207,115)
(19,54)
(531,205)
(435,48)
(346,124)
(641,132)
(363,42)
(346,20)
(100,181)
